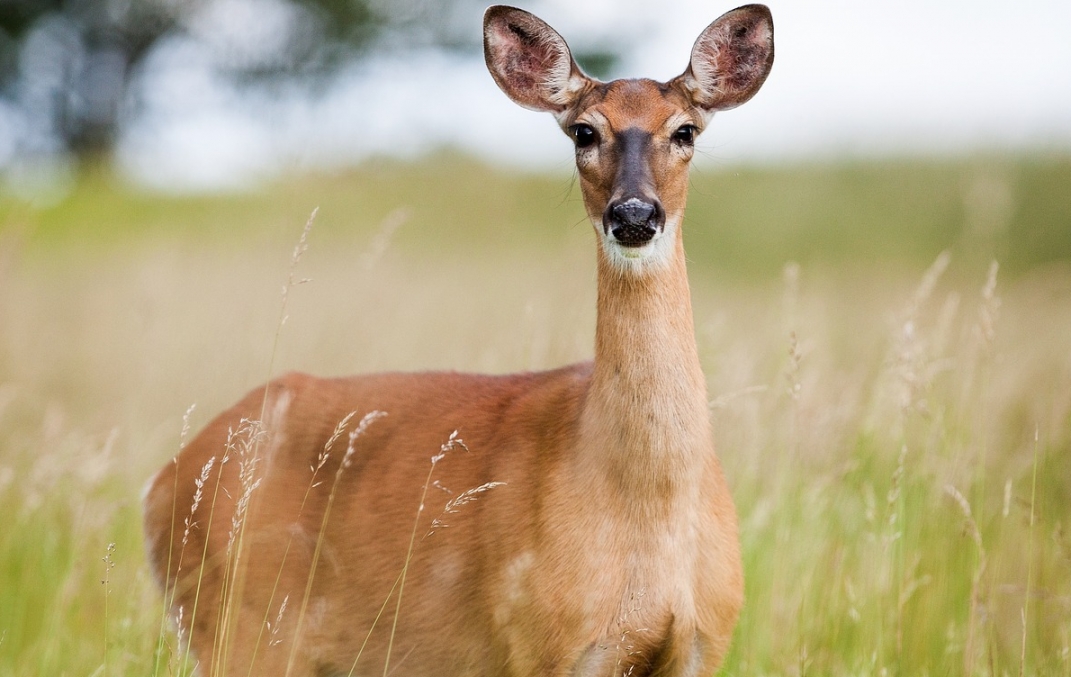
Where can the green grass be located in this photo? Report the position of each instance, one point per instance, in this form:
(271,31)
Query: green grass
(878,432)
(744,222)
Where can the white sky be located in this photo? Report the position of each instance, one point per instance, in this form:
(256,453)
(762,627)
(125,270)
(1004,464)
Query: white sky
(886,77)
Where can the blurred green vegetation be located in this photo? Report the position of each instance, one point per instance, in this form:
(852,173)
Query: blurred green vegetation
(1017,210)
(742,222)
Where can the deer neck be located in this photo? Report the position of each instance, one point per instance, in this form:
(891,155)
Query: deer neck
(645,423)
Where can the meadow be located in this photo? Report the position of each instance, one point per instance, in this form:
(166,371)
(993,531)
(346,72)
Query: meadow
(887,347)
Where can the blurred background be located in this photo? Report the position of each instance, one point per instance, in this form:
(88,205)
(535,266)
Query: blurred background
(187,95)
(879,247)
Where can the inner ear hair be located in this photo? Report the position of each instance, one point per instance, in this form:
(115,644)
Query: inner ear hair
(529,60)
(731,59)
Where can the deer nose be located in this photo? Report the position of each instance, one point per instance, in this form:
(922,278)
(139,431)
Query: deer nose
(633,222)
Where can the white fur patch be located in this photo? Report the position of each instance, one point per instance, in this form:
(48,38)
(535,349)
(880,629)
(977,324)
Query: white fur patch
(514,580)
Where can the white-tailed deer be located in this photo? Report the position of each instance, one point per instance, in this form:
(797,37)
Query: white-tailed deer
(610,548)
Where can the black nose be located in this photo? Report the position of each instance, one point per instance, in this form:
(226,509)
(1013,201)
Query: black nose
(633,222)
(633,212)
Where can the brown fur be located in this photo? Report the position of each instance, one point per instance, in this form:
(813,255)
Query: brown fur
(610,549)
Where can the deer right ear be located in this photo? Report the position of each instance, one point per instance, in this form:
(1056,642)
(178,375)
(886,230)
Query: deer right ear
(529,60)
(731,59)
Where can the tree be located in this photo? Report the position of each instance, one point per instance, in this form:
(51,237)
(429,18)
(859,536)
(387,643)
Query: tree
(68,68)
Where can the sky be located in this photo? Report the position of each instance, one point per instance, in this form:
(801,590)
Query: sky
(858,79)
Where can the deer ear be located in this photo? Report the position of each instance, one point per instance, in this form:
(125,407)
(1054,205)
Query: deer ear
(731,59)
(529,60)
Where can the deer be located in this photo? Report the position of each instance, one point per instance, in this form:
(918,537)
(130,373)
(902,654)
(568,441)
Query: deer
(590,530)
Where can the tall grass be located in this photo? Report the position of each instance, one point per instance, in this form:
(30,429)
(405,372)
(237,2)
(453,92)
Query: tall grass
(896,429)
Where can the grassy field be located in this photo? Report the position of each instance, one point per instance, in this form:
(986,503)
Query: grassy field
(893,411)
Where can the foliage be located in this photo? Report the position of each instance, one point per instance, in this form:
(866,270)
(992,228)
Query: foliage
(71,67)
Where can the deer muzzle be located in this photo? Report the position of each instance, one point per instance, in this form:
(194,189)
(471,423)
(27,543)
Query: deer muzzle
(633,218)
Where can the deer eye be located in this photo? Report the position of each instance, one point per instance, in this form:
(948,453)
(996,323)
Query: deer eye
(582,134)
(685,135)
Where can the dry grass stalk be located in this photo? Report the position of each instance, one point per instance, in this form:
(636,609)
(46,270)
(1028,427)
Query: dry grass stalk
(362,426)
(978,599)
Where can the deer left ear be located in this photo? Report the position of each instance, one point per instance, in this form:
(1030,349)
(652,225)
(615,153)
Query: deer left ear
(731,59)
(529,60)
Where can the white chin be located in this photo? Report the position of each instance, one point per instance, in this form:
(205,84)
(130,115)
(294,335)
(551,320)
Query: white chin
(635,253)
(654,253)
